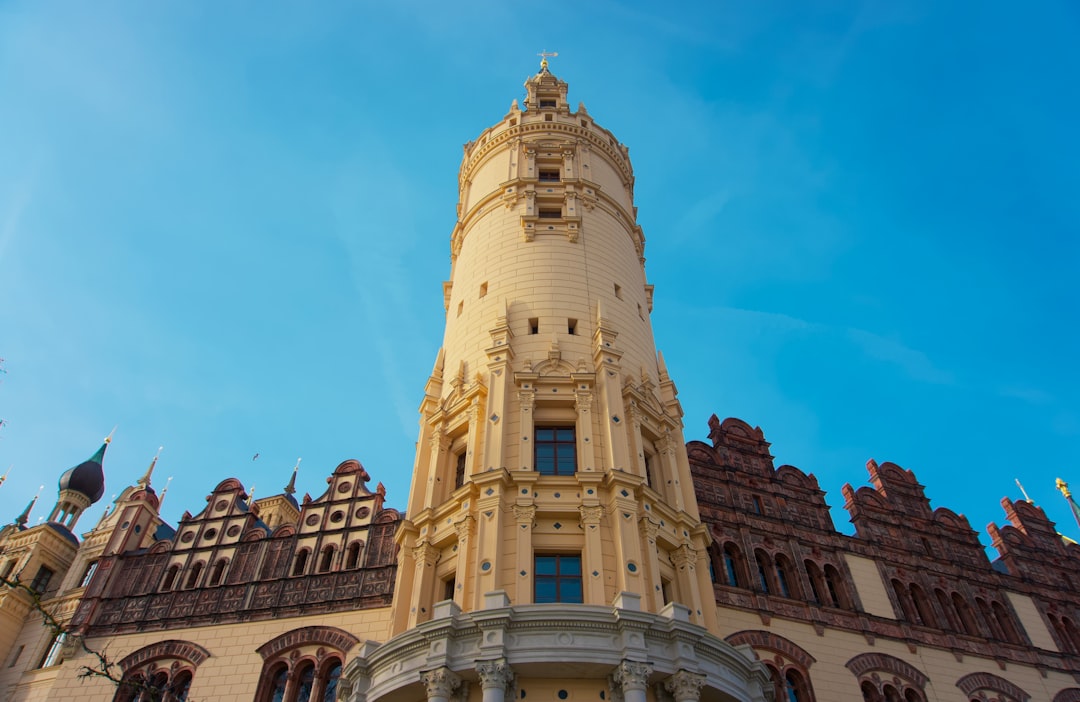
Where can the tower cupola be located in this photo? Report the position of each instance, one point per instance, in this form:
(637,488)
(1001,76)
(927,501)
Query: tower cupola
(80,487)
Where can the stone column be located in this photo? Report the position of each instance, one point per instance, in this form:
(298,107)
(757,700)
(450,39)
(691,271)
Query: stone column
(631,678)
(440,684)
(496,679)
(524,515)
(594,555)
(685,686)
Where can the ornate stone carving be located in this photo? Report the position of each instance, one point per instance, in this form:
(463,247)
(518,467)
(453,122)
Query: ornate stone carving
(464,527)
(632,675)
(524,513)
(495,674)
(424,554)
(684,555)
(440,682)
(685,686)
(649,528)
(591,514)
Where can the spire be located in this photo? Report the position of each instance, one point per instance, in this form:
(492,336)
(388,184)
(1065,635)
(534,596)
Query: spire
(291,487)
(23,518)
(161,498)
(5,475)
(1064,488)
(144,482)
(1024,492)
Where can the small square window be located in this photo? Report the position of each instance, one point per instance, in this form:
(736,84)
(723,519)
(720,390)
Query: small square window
(534,325)
(547,103)
(549,176)
(550,213)
(571,326)
(557,578)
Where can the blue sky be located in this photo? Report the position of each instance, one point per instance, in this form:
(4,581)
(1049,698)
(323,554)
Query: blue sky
(224,228)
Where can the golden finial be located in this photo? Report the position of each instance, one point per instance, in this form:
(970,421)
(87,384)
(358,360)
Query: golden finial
(544,56)
(5,475)
(1064,488)
(108,439)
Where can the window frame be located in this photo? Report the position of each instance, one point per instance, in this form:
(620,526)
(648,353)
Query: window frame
(560,577)
(556,443)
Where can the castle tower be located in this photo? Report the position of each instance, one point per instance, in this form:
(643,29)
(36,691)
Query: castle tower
(551,488)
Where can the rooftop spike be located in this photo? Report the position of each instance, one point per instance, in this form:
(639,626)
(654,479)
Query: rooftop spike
(1024,492)
(291,487)
(23,518)
(5,475)
(161,497)
(144,482)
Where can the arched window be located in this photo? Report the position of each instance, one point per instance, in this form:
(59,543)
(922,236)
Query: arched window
(1071,634)
(906,607)
(835,585)
(988,618)
(305,681)
(303,665)
(943,603)
(785,577)
(179,686)
(1005,621)
(352,556)
(170,578)
(300,565)
(764,566)
(331,673)
(817,582)
(733,565)
(795,689)
(326,559)
(922,606)
(193,575)
(965,615)
(885,678)
(279,678)
(218,572)
(160,672)
(787,662)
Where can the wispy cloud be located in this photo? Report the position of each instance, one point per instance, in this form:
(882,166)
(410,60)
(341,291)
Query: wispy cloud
(915,363)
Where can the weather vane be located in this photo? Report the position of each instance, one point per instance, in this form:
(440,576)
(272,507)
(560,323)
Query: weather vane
(544,56)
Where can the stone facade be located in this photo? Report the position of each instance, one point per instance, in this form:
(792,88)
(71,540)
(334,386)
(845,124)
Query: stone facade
(562,540)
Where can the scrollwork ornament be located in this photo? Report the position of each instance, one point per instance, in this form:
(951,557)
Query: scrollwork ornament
(685,686)
(440,682)
(632,675)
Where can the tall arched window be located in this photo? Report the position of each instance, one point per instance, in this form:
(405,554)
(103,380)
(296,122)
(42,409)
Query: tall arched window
(193,575)
(943,603)
(326,559)
(795,689)
(817,582)
(218,572)
(965,615)
(331,674)
(764,568)
(352,556)
(835,584)
(733,566)
(785,577)
(787,662)
(305,681)
(922,606)
(1005,621)
(300,565)
(885,678)
(170,578)
(904,600)
(279,678)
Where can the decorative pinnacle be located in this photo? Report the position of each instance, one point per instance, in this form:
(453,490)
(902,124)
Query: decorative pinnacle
(291,487)
(5,475)
(161,498)
(544,56)
(1063,487)
(251,496)
(23,518)
(108,439)
(1024,492)
(144,482)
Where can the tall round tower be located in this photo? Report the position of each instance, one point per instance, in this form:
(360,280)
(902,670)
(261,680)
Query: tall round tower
(551,505)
